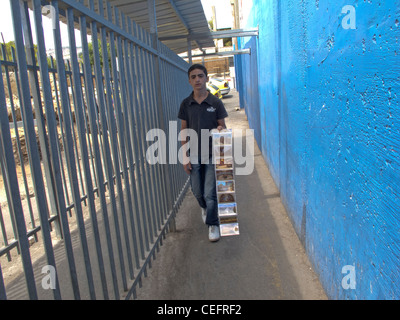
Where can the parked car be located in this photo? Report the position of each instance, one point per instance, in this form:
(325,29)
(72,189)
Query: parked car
(222,85)
(214,90)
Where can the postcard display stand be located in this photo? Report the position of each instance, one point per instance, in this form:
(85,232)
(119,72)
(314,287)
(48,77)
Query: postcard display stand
(225,180)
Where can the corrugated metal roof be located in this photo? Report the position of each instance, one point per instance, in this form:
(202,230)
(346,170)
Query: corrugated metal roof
(174,17)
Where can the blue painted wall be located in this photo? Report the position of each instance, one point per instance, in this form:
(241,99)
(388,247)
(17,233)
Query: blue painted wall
(324,103)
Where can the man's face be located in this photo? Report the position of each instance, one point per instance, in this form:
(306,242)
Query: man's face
(198,79)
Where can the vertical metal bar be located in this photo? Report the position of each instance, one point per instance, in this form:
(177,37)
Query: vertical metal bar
(166,98)
(158,114)
(75,104)
(68,147)
(146,106)
(22,117)
(181,174)
(155,172)
(81,115)
(7,154)
(189,43)
(171,142)
(120,129)
(132,90)
(111,130)
(155,182)
(158,120)
(2,225)
(142,107)
(82,141)
(174,113)
(35,92)
(10,94)
(159,183)
(85,117)
(142,74)
(3,294)
(176,172)
(8,196)
(139,156)
(8,193)
(101,108)
(62,132)
(122,56)
(157,108)
(51,125)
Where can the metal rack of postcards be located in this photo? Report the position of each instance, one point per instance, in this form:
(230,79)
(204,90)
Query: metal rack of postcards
(225,180)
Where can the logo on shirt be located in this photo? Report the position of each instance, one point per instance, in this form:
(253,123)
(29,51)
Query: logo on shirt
(211,109)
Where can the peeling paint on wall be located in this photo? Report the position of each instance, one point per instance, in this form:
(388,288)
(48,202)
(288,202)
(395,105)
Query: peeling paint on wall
(323,99)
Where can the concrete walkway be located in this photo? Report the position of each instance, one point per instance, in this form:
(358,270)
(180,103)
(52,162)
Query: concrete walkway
(266,261)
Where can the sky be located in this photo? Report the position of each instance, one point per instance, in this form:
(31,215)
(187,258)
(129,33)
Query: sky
(222,11)
(6,28)
(224,20)
(6,22)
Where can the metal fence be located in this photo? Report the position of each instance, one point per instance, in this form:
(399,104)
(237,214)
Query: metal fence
(82,212)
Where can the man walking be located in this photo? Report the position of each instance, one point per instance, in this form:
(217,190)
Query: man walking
(201,112)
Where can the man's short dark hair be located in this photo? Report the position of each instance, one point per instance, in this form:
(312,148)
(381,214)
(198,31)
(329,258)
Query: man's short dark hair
(197,66)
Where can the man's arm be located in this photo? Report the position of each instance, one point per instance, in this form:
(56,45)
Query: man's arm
(187,166)
(221,124)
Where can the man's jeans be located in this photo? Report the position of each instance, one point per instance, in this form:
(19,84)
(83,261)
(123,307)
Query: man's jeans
(202,181)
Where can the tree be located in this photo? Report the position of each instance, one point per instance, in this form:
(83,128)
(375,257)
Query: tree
(8,51)
(91,54)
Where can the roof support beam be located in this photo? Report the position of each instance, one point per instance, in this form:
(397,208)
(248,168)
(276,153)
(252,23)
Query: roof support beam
(215,35)
(190,52)
(222,54)
(152,17)
(172,2)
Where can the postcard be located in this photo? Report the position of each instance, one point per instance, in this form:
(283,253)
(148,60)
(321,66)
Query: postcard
(230,229)
(223,175)
(227,209)
(225,186)
(222,139)
(226,197)
(224,163)
(228,219)
(222,151)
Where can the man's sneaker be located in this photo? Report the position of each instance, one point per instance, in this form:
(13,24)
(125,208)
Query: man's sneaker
(213,233)
(204,214)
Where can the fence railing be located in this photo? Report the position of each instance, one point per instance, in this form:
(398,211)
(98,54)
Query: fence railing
(82,212)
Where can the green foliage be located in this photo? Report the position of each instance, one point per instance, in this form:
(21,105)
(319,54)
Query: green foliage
(91,54)
(8,52)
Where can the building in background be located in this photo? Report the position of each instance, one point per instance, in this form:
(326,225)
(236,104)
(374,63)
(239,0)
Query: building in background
(220,15)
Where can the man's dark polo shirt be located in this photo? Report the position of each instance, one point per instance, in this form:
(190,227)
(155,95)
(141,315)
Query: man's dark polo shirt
(202,116)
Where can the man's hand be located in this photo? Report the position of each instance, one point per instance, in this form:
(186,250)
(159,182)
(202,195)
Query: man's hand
(221,124)
(188,168)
